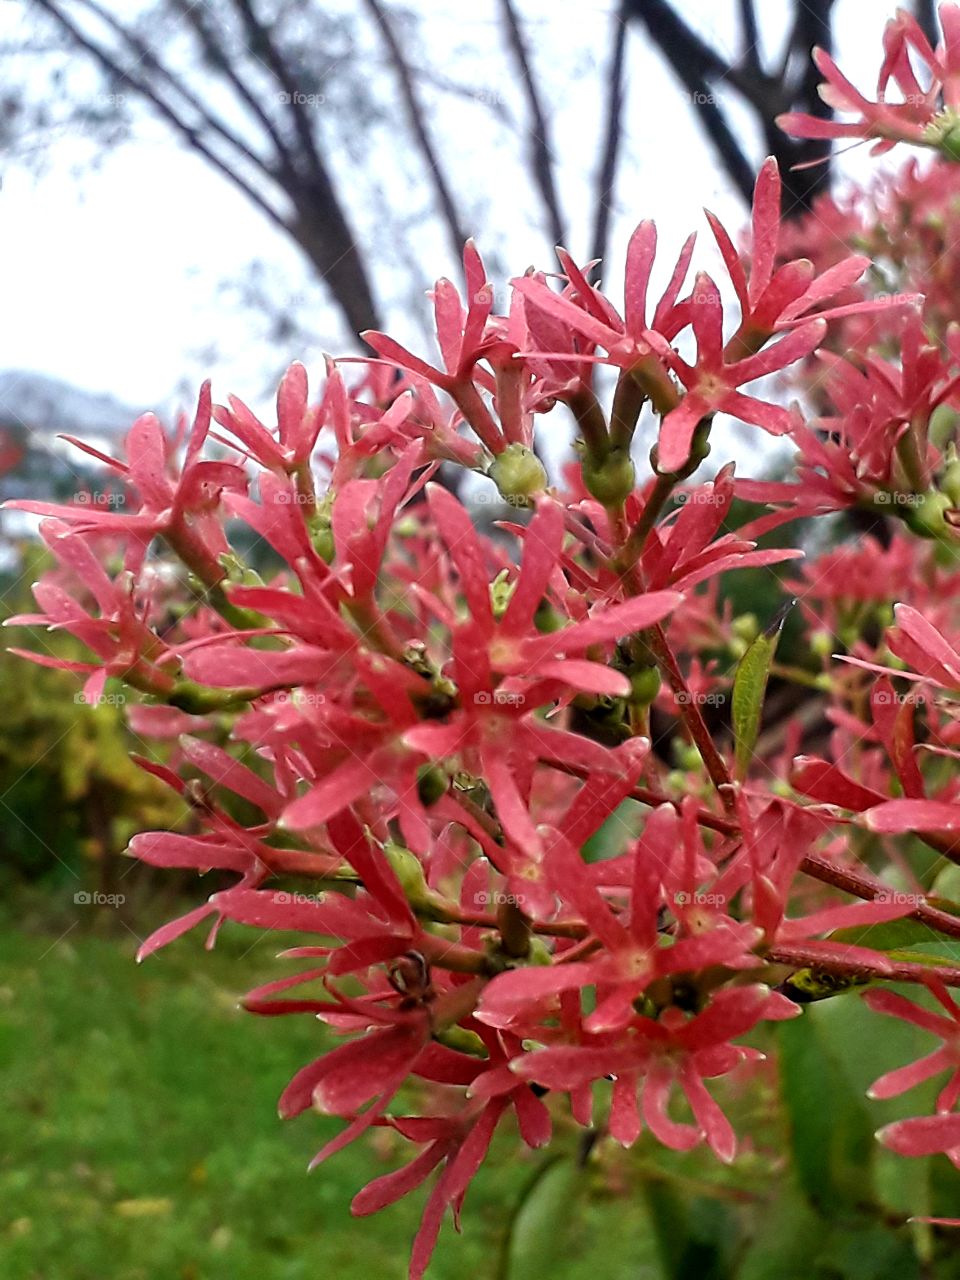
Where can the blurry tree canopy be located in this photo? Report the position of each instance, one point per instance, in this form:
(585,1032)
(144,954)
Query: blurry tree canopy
(343,127)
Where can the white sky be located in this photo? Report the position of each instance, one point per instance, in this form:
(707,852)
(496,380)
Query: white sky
(111,280)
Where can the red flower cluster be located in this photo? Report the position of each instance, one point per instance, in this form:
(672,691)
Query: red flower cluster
(429,726)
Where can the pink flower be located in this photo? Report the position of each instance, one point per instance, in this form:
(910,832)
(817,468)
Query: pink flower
(631,956)
(713,381)
(648,1057)
(926,1134)
(922,115)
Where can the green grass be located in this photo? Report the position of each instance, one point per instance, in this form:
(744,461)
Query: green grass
(139,1140)
(139,1137)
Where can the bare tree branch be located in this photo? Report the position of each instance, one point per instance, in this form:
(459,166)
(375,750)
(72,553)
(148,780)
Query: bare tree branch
(418,124)
(701,69)
(926,15)
(213,51)
(153,64)
(541,154)
(814,26)
(751,36)
(321,227)
(108,63)
(613,133)
(315,219)
(693,62)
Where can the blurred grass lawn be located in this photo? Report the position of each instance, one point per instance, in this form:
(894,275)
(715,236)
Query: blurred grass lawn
(139,1137)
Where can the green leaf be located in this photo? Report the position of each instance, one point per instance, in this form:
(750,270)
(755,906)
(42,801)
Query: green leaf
(695,1237)
(749,690)
(910,941)
(786,1242)
(831,1130)
(868,1252)
(538,1230)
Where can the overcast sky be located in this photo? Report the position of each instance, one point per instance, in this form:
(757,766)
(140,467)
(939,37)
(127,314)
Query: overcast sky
(112,280)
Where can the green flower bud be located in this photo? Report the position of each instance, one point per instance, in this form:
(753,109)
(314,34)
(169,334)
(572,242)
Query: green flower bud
(644,686)
(431,784)
(746,627)
(950,142)
(518,473)
(822,644)
(321,529)
(612,480)
(409,872)
(688,757)
(501,589)
(950,480)
(926,518)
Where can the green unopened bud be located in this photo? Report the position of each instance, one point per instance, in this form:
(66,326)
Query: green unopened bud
(746,627)
(406,866)
(927,517)
(321,529)
(518,473)
(644,686)
(611,480)
(462,1040)
(688,757)
(432,784)
(546,619)
(942,427)
(501,589)
(950,480)
(822,644)
(237,572)
(949,141)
